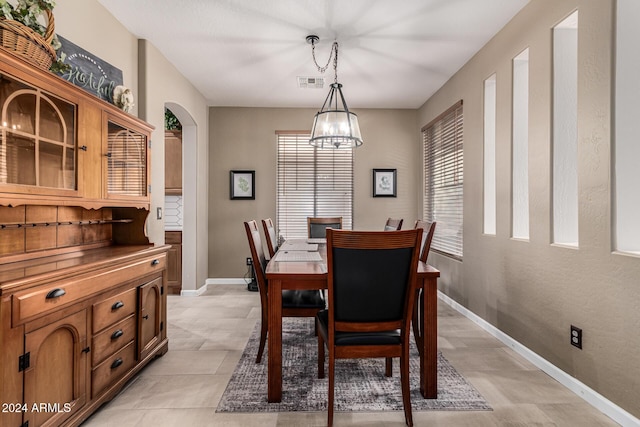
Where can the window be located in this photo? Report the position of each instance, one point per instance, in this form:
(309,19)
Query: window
(443,179)
(311,182)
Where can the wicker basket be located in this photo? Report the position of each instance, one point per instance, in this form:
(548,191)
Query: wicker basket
(27,44)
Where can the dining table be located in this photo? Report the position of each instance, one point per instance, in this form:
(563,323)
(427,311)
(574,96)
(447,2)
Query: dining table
(287,270)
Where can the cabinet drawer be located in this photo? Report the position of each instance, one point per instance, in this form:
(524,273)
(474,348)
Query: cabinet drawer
(112,310)
(44,299)
(112,369)
(113,339)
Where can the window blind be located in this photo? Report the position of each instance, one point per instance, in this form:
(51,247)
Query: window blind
(311,182)
(443,179)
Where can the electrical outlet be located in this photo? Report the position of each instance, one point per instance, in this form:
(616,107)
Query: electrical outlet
(576,337)
(249,261)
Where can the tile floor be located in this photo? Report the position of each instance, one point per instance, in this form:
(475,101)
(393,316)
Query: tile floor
(208,333)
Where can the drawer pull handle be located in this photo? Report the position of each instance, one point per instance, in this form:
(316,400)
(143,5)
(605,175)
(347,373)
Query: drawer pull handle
(86,349)
(117,334)
(117,305)
(155,262)
(56,293)
(116,363)
(145,317)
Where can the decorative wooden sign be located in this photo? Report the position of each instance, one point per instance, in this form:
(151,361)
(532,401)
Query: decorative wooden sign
(88,71)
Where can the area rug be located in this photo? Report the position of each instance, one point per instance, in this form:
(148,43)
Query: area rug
(360,384)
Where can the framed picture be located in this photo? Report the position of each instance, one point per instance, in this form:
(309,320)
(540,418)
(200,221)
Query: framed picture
(243,185)
(384,183)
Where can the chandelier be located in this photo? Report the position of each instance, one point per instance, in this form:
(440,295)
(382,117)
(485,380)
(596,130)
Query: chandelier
(334,126)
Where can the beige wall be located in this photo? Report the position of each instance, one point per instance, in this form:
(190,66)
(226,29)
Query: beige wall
(89,25)
(154,82)
(161,84)
(244,138)
(533,290)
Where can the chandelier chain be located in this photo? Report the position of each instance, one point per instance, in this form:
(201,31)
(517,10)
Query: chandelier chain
(333,54)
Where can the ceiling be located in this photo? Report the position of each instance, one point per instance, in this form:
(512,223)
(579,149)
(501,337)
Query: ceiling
(249,53)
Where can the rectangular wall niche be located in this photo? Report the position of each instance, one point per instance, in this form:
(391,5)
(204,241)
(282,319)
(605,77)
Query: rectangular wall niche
(627,128)
(490,155)
(565,131)
(520,147)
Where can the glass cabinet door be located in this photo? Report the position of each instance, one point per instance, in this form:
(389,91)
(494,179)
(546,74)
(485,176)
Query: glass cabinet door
(37,137)
(126,162)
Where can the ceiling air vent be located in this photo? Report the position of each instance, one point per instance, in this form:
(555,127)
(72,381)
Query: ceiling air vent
(310,82)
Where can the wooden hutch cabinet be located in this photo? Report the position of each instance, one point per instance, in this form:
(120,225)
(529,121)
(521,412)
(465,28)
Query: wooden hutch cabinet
(82,291)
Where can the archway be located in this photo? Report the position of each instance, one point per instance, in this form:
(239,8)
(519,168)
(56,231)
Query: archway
(189,198)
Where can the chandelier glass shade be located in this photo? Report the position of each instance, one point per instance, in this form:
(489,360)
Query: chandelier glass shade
(334,126)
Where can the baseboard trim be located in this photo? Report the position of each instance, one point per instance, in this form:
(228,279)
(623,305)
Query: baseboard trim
(592,397)
(203,288)
(193,293)
(235,281)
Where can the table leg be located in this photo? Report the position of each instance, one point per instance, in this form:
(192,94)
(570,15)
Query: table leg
(274,342)
(429,353)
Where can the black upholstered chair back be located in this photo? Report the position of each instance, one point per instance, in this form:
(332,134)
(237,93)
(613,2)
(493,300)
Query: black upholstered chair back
(317,226)
(369,274)
(370,284)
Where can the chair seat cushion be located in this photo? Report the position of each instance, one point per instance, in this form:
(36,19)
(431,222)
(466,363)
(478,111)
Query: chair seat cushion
(357,338)
(303,299)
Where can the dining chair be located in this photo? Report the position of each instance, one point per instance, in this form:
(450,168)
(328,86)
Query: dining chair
(428,229)
(270,236)
(295,303)
(317,226)
(393,224)
(371,285)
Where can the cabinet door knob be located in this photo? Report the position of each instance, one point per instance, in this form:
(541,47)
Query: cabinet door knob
(86,349)
(108,155)
(155,262)
(117,305)
(83,148)
(145,317)
(116,363)
(55,293)
(117,334)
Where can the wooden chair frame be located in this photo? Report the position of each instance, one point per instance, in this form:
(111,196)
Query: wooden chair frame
(272,243)
(429,228)
(370,240)
(259,262)
(393,224)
